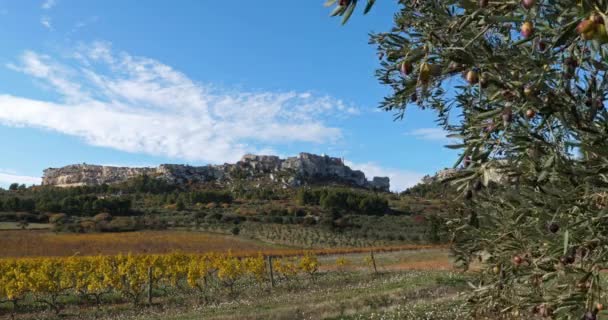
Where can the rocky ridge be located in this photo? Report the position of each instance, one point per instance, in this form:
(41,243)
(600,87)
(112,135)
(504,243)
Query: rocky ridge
(303,169)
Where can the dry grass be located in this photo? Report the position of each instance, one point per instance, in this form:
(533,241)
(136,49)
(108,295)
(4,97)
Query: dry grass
(35,243)
(30,226)
(44,243)
(423,259)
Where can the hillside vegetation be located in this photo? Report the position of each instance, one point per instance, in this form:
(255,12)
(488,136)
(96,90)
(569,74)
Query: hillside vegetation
(313,216)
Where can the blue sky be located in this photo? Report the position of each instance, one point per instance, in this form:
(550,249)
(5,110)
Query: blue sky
(120,83)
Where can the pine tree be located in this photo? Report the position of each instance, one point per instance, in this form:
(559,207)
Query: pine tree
(522,86)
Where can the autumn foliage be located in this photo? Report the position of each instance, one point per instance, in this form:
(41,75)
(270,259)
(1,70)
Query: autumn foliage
(131,275)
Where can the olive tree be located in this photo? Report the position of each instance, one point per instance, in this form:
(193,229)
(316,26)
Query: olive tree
(521,85)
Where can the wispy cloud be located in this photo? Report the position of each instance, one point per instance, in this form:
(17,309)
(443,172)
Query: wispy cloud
(82,24)
(46,22)
(48,4)
(8,177)
(432,134)
(400,179)
(137,104)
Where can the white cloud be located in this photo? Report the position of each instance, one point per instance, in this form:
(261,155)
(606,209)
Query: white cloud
(400,179)
(46,22)
(433,134)
(48,4)
(138,104)
(8,177)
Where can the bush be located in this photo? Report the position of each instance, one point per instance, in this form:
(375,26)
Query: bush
(275,211)
(235,231)
(210,196)
(104,216)
(121,224)
(307,197)
(215,216)
(373,205)
(180,206)
(261,194)
(88,226)
(337,199)
(296,212)
(230,218)
(276,219)
(309,220)
(58,218)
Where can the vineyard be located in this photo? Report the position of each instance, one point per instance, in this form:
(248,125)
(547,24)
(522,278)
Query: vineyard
(131,276)
(35,286)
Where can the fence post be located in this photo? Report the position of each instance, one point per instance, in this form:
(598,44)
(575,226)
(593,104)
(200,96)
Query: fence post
(149,285)
(269,258)
(374,261)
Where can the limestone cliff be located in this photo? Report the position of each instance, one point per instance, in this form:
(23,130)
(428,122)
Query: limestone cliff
(304,169)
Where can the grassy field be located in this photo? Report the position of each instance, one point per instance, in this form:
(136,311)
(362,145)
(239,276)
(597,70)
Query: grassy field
(436,259)
(399,295)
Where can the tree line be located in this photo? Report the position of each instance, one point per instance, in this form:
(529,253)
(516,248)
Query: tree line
(344,200)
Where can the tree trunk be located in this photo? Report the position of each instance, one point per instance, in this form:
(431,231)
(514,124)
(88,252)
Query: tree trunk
(149,285)
(271,271)
(374,262)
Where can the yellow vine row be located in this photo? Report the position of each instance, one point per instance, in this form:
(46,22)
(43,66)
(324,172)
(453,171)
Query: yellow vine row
(130,274)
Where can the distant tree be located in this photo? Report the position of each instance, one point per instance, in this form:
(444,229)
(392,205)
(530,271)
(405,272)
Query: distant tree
(307,196)
(27,204)
(236,231)
(179,205)
(334,199)
(373,205)
(13,187)
(12,204)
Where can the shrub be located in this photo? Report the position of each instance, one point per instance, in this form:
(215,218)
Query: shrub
(230,218)
(208,196)
(121,224)
(306,197)
(373,205)
(235,231)
(88,226)
(215,216)
(342,199)
(58,218)
(309,220)
(104,216)
(180,205)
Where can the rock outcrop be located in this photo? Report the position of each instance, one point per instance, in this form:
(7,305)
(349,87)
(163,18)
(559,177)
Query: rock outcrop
(86,174)
(304,169)
(494,175)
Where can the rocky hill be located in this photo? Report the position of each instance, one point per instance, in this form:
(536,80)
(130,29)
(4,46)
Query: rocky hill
(304,169)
